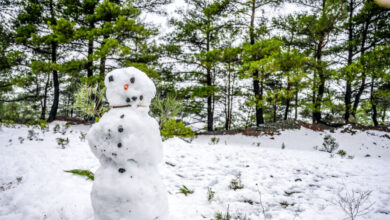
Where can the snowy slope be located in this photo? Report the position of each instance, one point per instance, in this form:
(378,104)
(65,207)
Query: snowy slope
(297,182)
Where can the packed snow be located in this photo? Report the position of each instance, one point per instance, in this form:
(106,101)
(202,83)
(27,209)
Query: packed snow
(127,142)
(249,177)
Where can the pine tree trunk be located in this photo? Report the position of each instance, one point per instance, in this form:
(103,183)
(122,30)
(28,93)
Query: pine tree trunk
(44,106)
(255,76)
(363,82)
(54,107)
(321,86)
(296,104)
(228,113)
(348,86)
(89,65)
(210,113)
(288,100)
(56,84)
(373,104)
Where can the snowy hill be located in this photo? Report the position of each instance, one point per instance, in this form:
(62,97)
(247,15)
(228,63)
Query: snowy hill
(249,177)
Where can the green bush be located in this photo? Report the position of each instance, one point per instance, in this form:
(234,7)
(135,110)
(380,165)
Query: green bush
(329,145)
(214,140)
(210,194)
(62,142)
(235,184)
(89,101)
(342,153)
(166,109)
(173,128)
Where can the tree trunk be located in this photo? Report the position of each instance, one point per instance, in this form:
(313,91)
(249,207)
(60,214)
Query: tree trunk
(321,86)
(228,113)
(288,100)
(89,65)
(54,107)
(373,103)
(56,84)
(210,113)
(255,76)
(384,114)
(348,86)
(296,104)
(44,106)
(363,82)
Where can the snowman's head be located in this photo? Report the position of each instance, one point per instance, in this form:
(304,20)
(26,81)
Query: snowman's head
(129,86)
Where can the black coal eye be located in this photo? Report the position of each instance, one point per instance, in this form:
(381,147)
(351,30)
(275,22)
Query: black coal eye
(134,98)
(141,97)
(132,79)
(110,78)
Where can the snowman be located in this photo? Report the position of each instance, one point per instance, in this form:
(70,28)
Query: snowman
(127,142)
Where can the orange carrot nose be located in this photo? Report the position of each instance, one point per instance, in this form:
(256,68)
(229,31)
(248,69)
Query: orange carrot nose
(126,86)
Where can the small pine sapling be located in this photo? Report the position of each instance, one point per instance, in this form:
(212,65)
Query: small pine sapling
(210,194)
(214,140)
(62,142)
(235,183)
(82,136)
(342,153)
(329,145)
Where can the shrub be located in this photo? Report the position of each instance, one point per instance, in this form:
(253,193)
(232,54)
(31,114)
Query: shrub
(62,142)
(355,203)
(329,145)
(166,109)
(89,101)
(342,153)
(82,136)
(173,128)
(235,183)
(214,140)
(210,194)
(222,216)
(31,135)
(56,128)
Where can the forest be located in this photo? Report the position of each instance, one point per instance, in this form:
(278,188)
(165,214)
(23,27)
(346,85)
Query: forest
(217,64)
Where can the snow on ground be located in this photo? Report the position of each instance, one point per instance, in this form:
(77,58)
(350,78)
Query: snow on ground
(297,182)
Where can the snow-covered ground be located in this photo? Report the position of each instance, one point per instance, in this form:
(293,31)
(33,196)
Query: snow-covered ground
(297,182)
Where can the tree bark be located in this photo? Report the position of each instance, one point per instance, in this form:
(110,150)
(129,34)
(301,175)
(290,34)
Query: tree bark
(363,82)
(54,107)
(44,105)
(210,113)
(89,65)
(228,110)
(373,104)
(288,100)
(348,85)
(296,105)
(56,84)
(255,75)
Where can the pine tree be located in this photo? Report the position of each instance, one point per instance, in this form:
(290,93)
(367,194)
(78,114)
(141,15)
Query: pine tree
(197,32)
(320,26)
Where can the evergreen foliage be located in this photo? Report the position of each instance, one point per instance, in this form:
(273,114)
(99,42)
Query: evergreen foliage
(222,65)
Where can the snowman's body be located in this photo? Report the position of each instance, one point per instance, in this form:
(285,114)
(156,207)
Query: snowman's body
(127,142)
